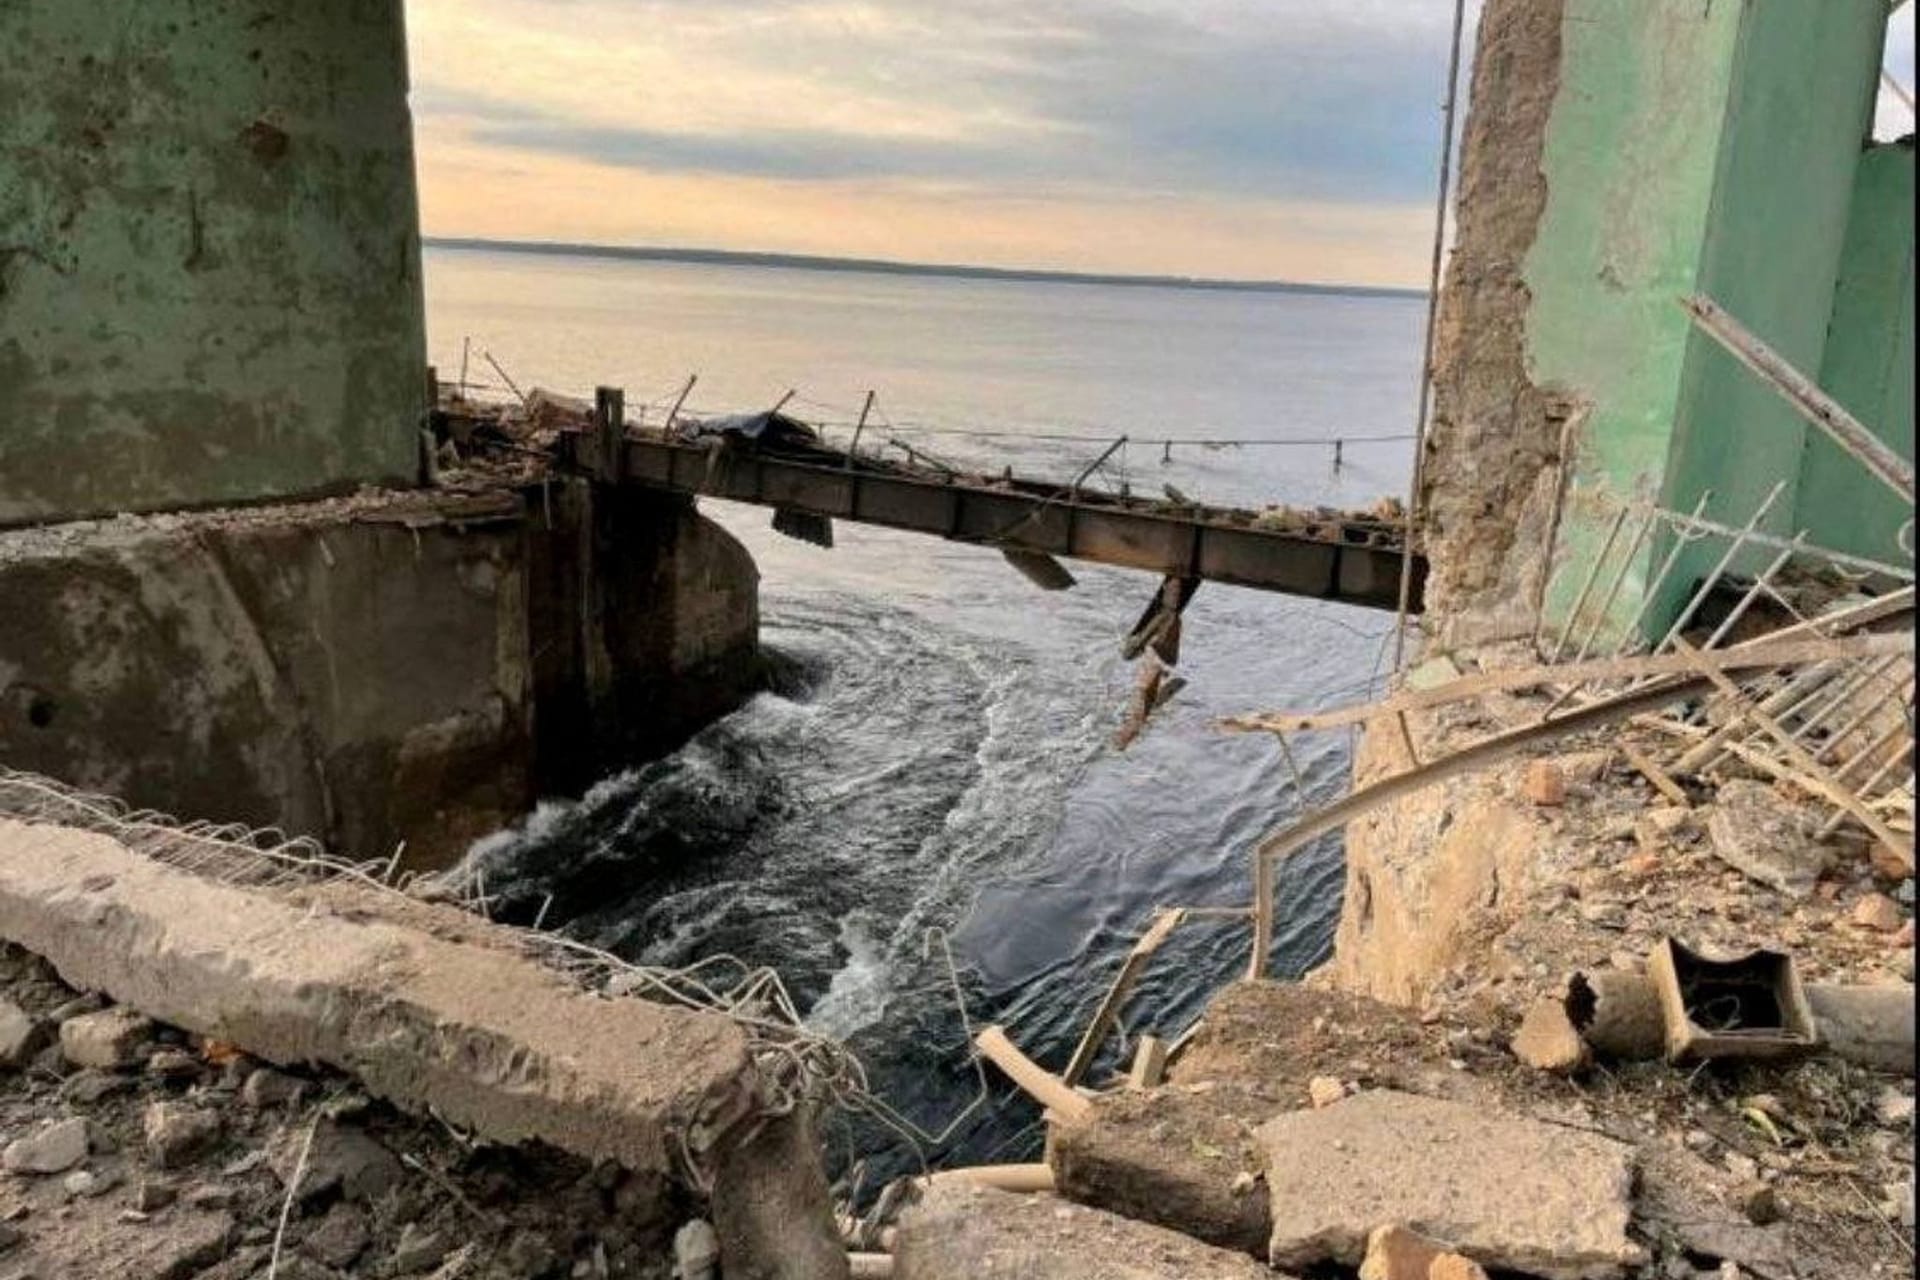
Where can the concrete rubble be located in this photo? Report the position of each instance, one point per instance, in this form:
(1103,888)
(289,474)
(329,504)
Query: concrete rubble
(186,1117)
(1754,832)
(1396,1253)
(1173,1157)
(961,1231)
(1508,1192)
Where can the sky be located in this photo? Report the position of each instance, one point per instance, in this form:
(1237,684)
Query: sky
(1269,139)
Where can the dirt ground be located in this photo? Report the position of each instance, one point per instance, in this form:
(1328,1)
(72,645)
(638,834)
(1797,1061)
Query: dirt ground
(1836,1147)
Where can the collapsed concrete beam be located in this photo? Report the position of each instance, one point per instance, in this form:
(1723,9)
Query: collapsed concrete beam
(1176,1159)
(457,1019)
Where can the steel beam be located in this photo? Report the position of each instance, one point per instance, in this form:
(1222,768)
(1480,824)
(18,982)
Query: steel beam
(1355,563)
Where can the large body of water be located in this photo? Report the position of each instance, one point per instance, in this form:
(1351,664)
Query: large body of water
(937,753)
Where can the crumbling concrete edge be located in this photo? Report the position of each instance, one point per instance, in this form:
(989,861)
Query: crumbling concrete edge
(481,1035)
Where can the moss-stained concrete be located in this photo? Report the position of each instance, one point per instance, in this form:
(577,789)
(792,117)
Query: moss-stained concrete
(209,253)
(1868,365)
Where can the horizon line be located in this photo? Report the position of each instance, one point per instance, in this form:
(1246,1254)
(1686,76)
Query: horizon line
(888,266)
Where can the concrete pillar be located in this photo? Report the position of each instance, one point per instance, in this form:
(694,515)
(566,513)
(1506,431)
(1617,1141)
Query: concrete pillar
(1868,366)
(209,254)
(1620,154)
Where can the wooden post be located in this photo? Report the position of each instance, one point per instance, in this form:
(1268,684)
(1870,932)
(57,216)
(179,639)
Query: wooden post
(1149,1063)
(433,387)
(466,345)
(858,427)
(1339,447)
(1031,1076)
(679,400)
(609,432)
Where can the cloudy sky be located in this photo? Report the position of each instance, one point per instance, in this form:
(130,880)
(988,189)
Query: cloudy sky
(1252,138)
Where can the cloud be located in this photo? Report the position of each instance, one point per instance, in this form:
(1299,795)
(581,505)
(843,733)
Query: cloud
(1017,132)
(1293,97)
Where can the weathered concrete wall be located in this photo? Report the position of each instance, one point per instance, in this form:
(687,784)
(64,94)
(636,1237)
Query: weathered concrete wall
(1429,878)
(356,670)
(1868,365)
(646,619)
(1619,155)
(1632,155)
(1488,474)
(209,254)
(367,670)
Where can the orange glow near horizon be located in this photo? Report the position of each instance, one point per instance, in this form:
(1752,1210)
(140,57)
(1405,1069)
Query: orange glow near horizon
(743,125)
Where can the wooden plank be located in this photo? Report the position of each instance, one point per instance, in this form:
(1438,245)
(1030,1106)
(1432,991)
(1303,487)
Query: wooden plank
(1026,1178)
(1033,1079)
(1109,1010)
(1662,781)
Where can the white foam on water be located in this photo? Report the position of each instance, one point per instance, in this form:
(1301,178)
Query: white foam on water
(856,995)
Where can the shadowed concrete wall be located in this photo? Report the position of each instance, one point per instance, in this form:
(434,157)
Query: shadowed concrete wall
(1869,364)
(372,669)
(209,253)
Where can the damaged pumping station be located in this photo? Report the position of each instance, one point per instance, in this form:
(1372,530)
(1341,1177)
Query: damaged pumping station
(293,627)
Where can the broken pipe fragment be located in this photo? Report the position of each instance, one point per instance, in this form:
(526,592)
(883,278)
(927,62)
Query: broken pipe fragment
(1619,1015)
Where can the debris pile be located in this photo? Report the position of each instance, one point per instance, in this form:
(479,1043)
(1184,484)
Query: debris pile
(133,1148)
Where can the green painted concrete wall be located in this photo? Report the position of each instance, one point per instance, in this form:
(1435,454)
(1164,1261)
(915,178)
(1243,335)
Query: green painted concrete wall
(1797,120)
(209,253)
(1630,159)
(1868,365)
(1705,148)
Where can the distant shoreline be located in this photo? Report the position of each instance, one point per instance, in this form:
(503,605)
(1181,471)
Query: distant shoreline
(880,266)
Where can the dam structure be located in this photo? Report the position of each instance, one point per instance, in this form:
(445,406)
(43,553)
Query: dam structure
(238,587)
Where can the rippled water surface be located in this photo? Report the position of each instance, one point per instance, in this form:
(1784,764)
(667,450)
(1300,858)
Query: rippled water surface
(935,752)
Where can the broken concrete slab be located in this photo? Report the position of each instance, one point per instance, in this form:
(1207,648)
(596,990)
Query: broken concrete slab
(963,1231)
(771,1205)
(1169,1156)
(1507,1191)
(483,1035)
(1765,837)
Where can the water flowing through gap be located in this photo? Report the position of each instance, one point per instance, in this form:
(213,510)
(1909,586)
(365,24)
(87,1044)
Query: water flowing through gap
(934,747)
